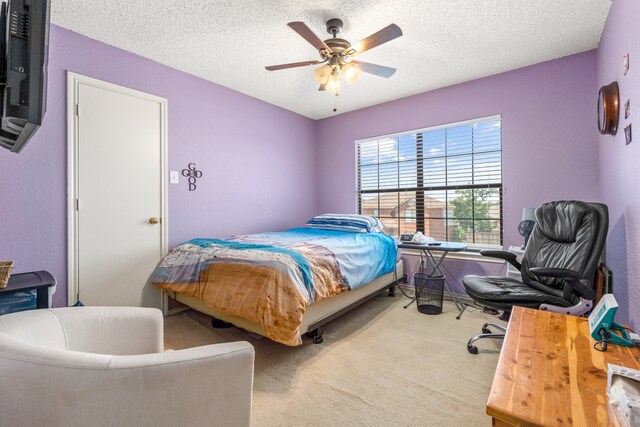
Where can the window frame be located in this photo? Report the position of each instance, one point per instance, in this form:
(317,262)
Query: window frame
(420,194)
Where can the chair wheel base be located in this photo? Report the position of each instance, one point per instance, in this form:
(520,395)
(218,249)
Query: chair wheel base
(472,349)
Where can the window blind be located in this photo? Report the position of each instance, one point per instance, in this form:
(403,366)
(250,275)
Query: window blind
(445,181)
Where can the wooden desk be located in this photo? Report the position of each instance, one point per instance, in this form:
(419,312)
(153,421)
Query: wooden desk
(549,374)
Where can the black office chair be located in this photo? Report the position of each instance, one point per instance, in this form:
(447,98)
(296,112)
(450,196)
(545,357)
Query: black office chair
(558,266)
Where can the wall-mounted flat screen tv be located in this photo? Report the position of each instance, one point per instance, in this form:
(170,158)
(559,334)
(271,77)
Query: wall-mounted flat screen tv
(24,50)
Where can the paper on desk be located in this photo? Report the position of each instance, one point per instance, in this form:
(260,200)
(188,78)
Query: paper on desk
(421,239)
(623,390)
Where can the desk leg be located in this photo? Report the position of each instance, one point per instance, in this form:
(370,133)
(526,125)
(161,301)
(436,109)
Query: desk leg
(410,302)
(435,265)
(421,269)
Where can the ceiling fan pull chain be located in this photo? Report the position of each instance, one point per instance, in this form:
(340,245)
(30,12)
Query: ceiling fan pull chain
(335,101)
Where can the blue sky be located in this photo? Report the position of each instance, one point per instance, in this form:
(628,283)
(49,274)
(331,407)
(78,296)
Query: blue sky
(388,163)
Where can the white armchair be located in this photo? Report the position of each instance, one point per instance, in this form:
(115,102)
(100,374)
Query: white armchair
(83,366)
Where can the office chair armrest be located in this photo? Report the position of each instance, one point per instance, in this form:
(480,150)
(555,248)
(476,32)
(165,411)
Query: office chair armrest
(569,276)
(511,258)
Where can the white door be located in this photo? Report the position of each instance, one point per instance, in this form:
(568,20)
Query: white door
(119,146)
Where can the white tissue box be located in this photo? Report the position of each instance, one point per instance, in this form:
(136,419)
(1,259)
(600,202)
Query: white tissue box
(623,390)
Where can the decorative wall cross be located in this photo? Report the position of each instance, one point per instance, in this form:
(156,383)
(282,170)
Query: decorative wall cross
(192,174)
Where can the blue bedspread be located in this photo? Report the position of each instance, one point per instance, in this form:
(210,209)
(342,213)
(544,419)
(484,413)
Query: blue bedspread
(362,256)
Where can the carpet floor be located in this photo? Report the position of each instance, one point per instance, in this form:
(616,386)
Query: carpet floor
(380,365)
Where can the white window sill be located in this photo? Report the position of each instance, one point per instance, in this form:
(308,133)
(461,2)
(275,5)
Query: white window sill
(463,256)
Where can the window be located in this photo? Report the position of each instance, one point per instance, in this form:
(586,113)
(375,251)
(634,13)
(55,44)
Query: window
(410,215)
(445,181)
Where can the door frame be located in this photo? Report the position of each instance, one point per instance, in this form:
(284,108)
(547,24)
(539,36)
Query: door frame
(73,82)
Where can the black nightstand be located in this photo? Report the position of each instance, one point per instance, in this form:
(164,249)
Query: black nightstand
(21,285)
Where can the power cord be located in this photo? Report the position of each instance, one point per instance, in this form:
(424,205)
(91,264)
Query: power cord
(603,345)
(502,269)
(402,286)
(606,335)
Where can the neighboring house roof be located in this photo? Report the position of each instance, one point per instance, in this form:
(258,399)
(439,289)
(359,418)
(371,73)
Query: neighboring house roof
(390,201)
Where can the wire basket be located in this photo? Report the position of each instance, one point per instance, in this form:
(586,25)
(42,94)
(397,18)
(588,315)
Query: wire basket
(429,293)
(5,272)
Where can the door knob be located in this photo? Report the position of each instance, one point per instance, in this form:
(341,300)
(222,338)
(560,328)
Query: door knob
(154,220)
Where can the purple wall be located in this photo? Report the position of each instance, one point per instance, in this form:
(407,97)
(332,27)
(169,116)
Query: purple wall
(257,159)
(619,163)
(260,158)
(550,148)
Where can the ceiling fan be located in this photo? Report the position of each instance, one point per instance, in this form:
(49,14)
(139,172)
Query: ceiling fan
(337,54)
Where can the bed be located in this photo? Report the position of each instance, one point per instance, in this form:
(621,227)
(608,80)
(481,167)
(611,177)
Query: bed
(283,284)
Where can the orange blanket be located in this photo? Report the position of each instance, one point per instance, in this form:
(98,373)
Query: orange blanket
(264,294)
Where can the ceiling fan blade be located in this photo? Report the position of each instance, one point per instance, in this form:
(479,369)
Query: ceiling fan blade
(322,87)
(384,35)
(306,33)
(378,70)
(290,65)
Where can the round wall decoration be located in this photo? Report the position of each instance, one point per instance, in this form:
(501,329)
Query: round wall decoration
(608,109)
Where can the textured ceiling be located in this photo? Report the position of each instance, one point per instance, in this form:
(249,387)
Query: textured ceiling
(445,41)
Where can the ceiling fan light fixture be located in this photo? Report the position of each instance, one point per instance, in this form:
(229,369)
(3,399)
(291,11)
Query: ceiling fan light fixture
(333,83)
(336,55)
(351,72)
(321,74)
